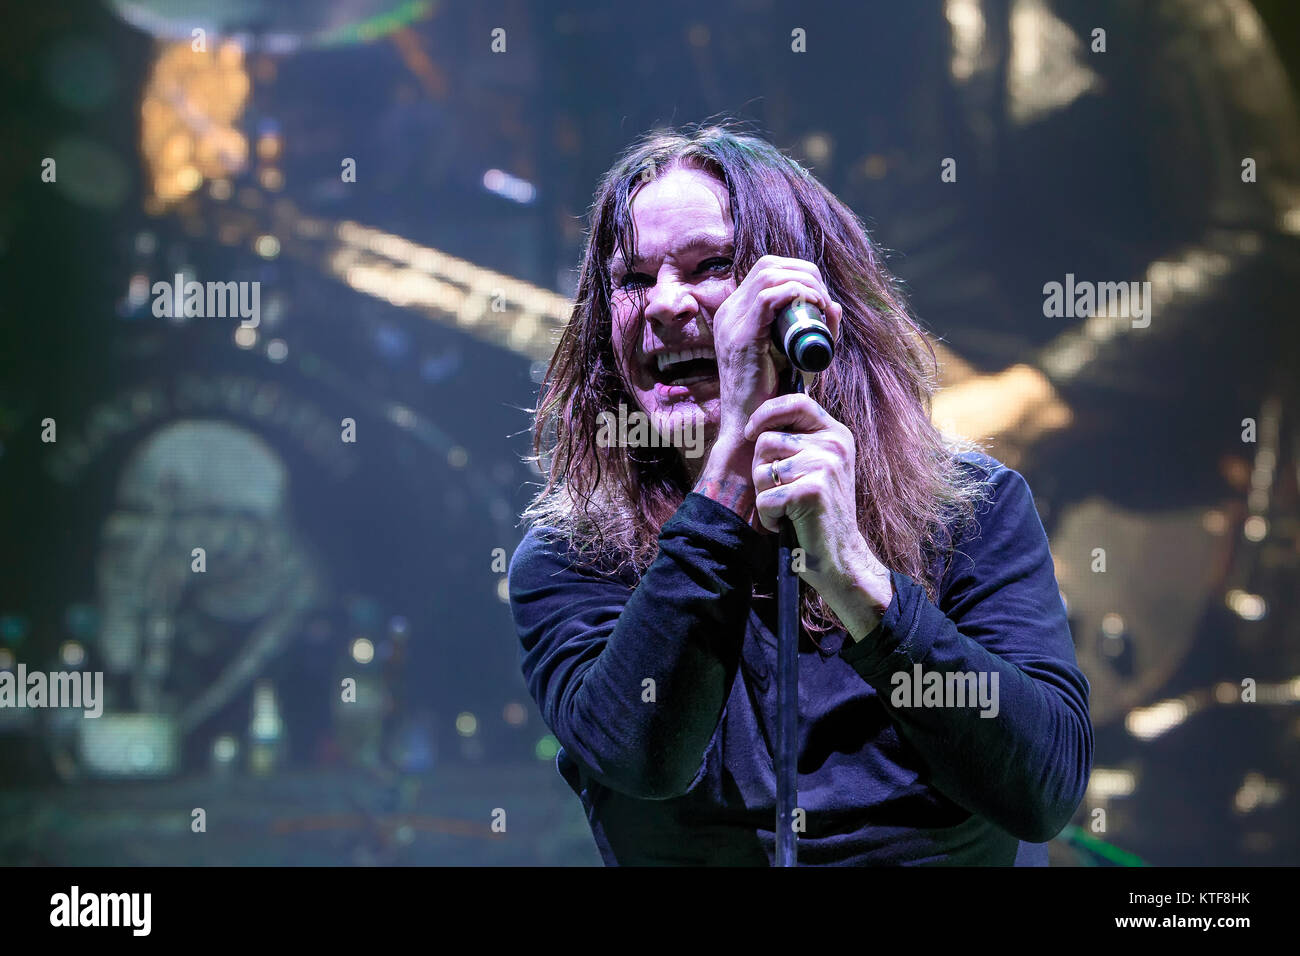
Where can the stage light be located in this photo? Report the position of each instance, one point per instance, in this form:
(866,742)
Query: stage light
(498,307)
(80,74)
(1214,521)
(72,653)
(1147,723)
(967,24)
(268,146)
(90,174)
(190,111)
(547,748)
(363,651)
(466,724)
(509,187)
(1256,791)
(1018,400)
(1045,72)
(128,745)
(224,749)
(137,292)
(13,628)
(1107,782)
(401,416)
(817,147)
(1247,606)
(188,179)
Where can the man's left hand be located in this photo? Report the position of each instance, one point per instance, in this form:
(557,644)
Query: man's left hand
(814,458)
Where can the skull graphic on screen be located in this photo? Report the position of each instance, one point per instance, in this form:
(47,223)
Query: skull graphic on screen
(225,610)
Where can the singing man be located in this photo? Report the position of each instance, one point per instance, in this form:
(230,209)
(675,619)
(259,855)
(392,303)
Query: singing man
(643,589)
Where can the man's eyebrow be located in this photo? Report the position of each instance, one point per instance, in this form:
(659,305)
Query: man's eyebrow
(691,242)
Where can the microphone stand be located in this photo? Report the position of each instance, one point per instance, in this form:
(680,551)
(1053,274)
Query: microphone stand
(787,685)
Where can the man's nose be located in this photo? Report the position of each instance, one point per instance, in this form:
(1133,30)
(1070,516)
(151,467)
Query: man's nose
(671,301)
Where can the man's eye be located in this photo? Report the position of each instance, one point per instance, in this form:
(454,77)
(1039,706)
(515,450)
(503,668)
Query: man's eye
(715,264)
(632,278)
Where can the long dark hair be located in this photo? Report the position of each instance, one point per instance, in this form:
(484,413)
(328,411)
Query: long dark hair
(611,502)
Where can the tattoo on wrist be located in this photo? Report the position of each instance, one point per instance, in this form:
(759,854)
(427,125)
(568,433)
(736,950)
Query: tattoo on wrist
(734,493)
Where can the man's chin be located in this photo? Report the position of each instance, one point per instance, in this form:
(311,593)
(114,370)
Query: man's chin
(683,421)
(676,419)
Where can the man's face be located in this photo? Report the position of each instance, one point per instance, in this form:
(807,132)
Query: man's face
(683,268)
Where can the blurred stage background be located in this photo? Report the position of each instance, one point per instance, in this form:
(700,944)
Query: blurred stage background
(421,300)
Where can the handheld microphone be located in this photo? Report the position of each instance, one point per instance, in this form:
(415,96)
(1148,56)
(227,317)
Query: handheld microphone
(801,333)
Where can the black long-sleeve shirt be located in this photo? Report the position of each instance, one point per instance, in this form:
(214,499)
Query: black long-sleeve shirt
(680,771)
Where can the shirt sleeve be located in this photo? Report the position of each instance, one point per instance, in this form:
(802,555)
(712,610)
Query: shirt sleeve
(1025,765)
(590,644)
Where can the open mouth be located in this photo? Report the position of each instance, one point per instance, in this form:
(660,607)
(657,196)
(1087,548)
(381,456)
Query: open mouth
(685,367)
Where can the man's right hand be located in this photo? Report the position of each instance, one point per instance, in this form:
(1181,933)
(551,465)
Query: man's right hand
(749,363)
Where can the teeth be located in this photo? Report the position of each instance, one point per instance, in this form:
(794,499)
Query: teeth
(668,358)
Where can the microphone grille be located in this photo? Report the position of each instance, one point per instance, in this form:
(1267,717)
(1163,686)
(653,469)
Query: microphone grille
(812,352)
